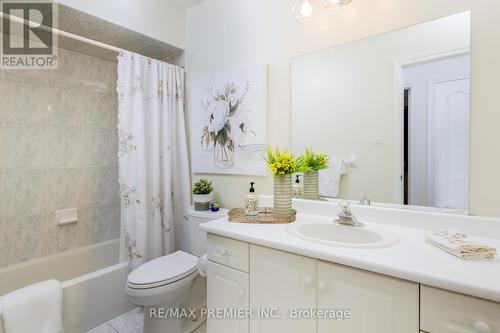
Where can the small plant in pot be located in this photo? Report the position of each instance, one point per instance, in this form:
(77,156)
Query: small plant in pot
(310,164)
(202,194)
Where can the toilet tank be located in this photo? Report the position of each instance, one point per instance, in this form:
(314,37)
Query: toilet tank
(197,237)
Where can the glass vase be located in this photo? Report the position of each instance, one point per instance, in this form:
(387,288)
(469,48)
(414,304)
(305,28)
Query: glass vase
(283,195)
(311,185)
(224,155)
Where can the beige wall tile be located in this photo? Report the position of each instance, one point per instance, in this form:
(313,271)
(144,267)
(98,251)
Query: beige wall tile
(24,98)
(101,223)
(25,192)
(65,146)
(25,145)
(100,110)
(2,188)
(100,186)
(99,146)
(3,247)
(54,124)
(25,238)
(65,105)
(65,188)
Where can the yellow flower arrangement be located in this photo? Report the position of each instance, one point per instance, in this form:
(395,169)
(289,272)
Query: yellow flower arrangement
(281,163)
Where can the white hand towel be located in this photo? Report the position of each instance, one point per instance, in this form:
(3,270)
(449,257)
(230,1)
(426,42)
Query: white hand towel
(329,179)
(460,245)
(2,330)
(36,308)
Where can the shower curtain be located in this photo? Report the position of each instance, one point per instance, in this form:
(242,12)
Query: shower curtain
(154,175)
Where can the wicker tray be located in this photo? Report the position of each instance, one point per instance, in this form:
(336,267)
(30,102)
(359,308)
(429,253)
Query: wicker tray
(266,216)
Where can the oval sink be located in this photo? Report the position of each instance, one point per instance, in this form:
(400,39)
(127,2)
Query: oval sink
(334,234)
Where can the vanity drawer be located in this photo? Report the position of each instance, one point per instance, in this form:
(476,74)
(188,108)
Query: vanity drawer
(228,252)
(447,312)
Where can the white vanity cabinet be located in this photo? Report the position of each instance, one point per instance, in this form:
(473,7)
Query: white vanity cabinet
(247,276)
(227,288)
(377,304)
(281,281)
(446,312)
(227,284)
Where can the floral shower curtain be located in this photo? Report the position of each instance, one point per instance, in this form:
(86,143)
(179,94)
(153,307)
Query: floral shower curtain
(152,156)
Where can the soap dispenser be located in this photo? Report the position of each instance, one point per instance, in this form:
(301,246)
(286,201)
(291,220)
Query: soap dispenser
(298,189)
(252,202)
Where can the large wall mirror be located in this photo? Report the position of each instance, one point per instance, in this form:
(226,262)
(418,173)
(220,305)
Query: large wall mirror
(393,112)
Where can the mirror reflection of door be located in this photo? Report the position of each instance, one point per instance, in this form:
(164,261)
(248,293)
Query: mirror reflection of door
(436,132)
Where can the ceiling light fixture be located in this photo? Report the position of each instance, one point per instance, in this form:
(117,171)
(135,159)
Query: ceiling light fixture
(334,4)
(304,10)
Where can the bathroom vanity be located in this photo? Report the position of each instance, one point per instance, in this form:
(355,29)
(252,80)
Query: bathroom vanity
(403,285)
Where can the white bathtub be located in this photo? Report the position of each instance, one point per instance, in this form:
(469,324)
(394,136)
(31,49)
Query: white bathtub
(93,283)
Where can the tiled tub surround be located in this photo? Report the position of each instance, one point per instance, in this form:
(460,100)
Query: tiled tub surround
(58,146)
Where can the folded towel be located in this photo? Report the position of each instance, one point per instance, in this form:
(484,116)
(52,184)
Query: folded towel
(36,308)
(329,179)
(461,245)
(2,330)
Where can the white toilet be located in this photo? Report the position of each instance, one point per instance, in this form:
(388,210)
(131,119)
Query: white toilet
(173,281)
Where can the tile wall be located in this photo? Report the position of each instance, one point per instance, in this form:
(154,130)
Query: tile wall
(57,150)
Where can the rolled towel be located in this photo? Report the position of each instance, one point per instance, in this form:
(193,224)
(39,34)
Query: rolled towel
(461,245)
(36,308)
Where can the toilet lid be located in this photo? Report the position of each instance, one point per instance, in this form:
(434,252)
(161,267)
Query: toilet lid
(163,270)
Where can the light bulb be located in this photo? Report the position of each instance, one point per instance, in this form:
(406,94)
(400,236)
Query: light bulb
(304,10)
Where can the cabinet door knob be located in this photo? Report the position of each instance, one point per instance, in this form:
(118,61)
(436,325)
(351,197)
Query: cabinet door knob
(222,251)
(322,286)
(481,327)
(308,281)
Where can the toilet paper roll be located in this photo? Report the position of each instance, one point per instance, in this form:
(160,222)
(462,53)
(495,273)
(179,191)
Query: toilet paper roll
(202,265)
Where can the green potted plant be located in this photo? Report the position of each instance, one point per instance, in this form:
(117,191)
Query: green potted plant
(283,165)
(310,163)
(202,191)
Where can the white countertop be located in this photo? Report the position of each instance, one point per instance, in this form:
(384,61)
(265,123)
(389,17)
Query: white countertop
(411,259)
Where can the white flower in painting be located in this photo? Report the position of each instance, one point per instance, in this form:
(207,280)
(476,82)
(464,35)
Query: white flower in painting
(218,112)
(240,128)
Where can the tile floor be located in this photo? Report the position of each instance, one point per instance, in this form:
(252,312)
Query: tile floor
(130,323)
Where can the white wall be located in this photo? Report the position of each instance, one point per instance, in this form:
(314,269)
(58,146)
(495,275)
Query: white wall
(163,20)
(343,97)
(223,35)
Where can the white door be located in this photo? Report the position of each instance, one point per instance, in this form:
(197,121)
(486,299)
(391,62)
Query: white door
(438,120)
(449,173)
(377,304)
(227,288)
(282,281)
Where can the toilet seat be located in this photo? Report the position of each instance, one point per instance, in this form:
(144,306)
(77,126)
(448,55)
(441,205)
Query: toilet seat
(163,271)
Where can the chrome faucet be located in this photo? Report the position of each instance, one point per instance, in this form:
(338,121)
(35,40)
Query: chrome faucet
(365,200)
(346,217)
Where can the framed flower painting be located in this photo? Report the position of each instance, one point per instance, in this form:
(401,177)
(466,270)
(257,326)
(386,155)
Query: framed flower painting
(229,122)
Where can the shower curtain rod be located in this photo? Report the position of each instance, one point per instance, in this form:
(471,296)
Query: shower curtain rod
(71,35)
